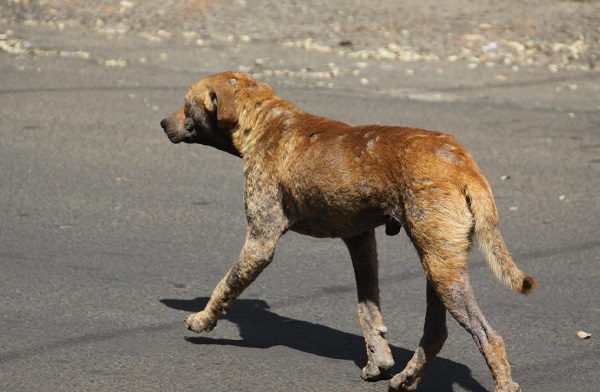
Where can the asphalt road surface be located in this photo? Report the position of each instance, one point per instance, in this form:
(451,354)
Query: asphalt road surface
(110,235)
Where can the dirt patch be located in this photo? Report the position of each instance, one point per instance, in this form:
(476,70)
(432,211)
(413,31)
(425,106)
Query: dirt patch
(552,33)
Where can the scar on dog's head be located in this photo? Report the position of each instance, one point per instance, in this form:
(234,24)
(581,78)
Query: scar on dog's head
(209,114)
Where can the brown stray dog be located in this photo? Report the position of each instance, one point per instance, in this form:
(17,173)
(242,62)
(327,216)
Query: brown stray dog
(324,178)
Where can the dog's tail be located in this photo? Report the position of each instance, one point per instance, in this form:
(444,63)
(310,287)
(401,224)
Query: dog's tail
(487,229)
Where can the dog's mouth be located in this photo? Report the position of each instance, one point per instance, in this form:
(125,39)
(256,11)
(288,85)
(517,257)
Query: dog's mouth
(177,134)
(181,136)
(175,138)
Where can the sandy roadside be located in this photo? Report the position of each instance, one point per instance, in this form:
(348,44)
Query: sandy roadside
(553,34)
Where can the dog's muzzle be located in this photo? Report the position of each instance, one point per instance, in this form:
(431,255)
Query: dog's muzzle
(177,132)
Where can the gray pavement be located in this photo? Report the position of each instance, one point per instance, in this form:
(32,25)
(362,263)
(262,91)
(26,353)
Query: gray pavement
(110,235)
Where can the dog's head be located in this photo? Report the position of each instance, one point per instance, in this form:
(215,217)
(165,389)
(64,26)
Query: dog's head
(209,115)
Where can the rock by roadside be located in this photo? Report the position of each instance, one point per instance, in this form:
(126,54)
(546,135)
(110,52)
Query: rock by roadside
(556,34)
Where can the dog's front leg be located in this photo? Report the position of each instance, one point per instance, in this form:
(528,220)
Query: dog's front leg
(266,224)
(363,251)
(256,255)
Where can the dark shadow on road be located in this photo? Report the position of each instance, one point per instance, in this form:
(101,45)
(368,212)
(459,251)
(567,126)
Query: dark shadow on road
(261,328)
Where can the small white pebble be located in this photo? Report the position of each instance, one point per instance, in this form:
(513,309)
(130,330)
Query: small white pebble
(583,335)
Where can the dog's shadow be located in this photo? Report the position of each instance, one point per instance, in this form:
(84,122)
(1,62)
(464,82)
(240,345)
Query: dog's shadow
(261,328)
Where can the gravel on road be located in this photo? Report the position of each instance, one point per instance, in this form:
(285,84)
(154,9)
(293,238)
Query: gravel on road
(555,34)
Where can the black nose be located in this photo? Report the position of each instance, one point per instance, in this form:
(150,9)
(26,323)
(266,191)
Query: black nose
(164,123)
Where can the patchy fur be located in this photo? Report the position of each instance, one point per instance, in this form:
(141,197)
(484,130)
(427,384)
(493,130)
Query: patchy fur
(324,178)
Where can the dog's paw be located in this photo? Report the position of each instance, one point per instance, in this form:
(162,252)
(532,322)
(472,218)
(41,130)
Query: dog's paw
(200,322)
(406,380)
(381,371)
(512,387)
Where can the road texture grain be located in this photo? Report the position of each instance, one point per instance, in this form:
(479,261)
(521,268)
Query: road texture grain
(110,235)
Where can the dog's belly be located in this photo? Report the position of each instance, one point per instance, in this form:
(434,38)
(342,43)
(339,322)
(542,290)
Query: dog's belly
(339,207)
(333,225)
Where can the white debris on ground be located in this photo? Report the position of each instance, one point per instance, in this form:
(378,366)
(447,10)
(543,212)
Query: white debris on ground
(565,55)
(487,35)
(19,46)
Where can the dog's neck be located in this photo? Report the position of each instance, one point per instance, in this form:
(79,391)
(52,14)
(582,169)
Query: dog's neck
(275,127)
(268,119)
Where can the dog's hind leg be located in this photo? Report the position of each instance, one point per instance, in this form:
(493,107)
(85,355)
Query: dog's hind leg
(434,336)
(460,301)
(363,251)
(439,226)
(443,241)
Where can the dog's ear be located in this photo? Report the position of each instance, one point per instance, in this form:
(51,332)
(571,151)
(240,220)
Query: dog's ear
(226,112)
